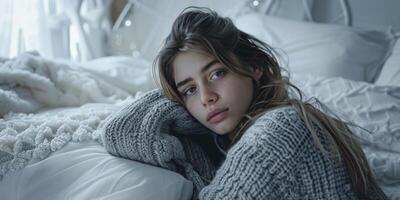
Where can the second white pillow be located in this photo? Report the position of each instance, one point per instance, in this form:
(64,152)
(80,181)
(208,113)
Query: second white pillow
(321,49)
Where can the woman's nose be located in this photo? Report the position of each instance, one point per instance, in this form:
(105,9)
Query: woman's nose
(208,96)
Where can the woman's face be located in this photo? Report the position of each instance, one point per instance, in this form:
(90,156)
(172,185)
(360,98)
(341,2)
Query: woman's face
(215,96)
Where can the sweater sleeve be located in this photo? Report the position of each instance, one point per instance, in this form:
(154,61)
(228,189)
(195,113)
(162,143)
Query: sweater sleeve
(155,130)
(259,165)
(146,130)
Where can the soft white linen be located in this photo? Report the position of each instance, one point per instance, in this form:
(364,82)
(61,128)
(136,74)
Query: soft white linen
(321,49)
(87,171)
(130,74)
(30,82)
(390,74)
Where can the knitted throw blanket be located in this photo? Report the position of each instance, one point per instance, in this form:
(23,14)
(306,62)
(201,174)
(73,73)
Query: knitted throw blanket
(160,132)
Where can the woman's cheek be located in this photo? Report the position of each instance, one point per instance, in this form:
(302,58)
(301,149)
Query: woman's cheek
(191,107)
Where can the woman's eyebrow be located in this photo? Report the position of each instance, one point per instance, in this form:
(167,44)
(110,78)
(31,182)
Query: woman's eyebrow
(205,68)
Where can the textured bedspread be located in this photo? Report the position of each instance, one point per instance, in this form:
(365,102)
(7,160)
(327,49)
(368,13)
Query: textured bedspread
(29,138)
(30,82)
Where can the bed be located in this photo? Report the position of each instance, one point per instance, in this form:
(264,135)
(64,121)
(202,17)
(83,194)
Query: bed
(53,110)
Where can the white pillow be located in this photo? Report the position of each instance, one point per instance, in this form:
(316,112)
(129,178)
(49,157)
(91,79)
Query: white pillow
(390,74)
(322,49)
(88,171)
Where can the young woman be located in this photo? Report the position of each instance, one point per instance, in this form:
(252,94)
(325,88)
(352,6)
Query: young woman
(279,147)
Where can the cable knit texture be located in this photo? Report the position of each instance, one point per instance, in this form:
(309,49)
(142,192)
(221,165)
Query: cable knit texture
(157,131)
(276,158)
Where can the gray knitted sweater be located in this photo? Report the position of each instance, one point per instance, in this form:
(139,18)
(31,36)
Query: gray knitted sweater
(276,158)
(157,131)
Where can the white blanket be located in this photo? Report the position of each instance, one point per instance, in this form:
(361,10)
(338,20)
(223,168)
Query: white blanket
(30,82)
(28,138)
(70,100)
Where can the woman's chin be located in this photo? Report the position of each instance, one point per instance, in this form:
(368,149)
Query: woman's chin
(222,129)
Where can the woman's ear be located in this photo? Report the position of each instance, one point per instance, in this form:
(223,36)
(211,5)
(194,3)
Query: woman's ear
(257,73)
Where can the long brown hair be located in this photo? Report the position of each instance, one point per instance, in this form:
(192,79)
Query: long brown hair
(202,28)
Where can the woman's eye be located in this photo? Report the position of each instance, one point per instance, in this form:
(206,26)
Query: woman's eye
(217,74)
(189,91)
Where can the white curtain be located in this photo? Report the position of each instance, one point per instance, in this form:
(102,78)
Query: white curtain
(19,31)
(5,24)
(76,29)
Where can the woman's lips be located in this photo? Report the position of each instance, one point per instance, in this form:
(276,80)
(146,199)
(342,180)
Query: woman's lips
(218,116)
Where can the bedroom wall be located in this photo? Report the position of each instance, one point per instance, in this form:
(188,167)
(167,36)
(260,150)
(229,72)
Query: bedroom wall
(371,14)
(150,22)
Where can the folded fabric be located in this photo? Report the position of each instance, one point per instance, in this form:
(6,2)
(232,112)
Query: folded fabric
(160,132)
(30,82)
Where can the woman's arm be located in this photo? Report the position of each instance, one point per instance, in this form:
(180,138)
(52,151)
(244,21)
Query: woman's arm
(147,130)
(154,130)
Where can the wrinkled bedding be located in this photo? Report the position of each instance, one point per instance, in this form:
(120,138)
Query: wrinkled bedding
(30,82)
